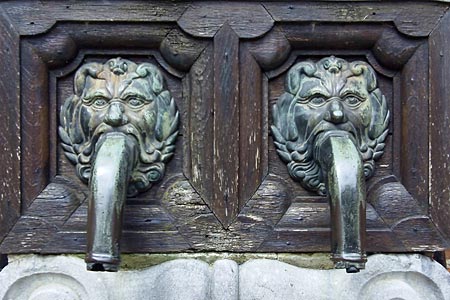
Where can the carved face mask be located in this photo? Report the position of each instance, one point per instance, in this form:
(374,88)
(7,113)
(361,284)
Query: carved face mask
(330,95)
(120,96)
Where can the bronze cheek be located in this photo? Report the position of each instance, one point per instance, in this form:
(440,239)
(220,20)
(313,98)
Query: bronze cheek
(318,114)
(360,116)
(91,118)
(139,117)
(308,117)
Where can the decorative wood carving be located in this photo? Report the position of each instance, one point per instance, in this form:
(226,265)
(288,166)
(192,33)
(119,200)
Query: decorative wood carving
(225,188)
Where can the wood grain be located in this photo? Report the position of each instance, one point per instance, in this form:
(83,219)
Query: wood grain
(199,87)
(32,18)
(10,176)
(253,128)
(330,37)
(414,140)
(393,49)
(271,50)
(439,126)
(226,125)
(360,12)
(180,50)
(197,223)
(42,220)
(206,19)
(35,124)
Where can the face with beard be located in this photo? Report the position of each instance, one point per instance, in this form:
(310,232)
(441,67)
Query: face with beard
(120,96)
(330,95)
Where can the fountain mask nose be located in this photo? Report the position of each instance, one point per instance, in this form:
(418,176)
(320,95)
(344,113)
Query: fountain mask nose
(115,115)
(335,112)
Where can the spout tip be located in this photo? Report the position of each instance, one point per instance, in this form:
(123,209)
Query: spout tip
(352,269)
(102,262)
(102,267)
(350,266)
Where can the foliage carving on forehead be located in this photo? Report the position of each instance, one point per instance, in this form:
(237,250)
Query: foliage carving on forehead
(117,76)
(330,94)
(330,76)
(120,96)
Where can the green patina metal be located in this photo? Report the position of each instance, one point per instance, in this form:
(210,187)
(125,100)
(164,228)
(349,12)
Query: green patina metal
(329,127)
(119,129)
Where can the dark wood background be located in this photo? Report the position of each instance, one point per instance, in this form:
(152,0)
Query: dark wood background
(224,62)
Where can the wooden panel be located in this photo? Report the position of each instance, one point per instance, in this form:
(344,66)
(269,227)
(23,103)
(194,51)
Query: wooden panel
(225,64)
(44,217)
(427,15)
(32,18)
(197,223)
(228,128)
(414,140)
(198,163)
(440,125)
(317,215)
(10,189)
(180,50)
(35,124)
(318,240)
(206,19)
(420,228)
(393,50)
(226,125)
(393,202)
(153,242)
(315,36)
(252,126)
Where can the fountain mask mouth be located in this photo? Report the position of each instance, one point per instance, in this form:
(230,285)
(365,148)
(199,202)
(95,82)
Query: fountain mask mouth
(131,142)
(323,136)
(103,130)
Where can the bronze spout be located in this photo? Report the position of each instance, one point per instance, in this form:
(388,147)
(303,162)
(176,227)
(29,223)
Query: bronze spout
(343,170)
(114,160)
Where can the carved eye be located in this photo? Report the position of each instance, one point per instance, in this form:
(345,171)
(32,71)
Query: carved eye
(352,100)
(317,100)
(135,102)
(99,102)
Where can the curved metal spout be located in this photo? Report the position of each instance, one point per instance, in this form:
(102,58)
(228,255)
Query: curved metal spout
(114,160)
(343,169)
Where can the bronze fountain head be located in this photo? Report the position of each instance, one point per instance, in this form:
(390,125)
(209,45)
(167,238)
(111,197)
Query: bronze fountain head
(329,127)
(119,129)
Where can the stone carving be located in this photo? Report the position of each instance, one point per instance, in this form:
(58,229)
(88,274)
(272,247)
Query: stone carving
(332,94)
(64,277)
(120,96)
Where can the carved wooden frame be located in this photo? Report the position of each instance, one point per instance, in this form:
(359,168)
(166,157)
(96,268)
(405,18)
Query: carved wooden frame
(408,207)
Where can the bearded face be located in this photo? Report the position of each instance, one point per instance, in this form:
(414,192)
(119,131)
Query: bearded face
(120,96)
(330,95)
